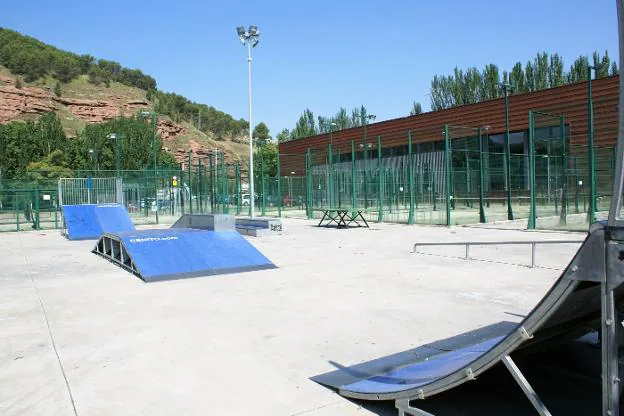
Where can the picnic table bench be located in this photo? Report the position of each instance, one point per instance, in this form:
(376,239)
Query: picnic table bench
(343,217)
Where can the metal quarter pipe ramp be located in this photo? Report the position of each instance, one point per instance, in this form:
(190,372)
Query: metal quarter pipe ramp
(577,303)
(90,221)
(156,255)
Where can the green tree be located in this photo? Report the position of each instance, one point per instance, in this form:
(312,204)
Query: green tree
(490,86)
(57,89)
(556,76)
(18,83)
(283,136)
(261,134)
(305,126)
(578,70)
(266,154)
(517,78)
(48,170)
(540,64)
(416,109)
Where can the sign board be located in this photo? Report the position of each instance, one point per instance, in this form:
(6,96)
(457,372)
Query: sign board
(46,197)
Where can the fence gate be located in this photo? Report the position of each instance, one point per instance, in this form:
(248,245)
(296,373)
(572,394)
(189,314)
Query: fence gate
(76,191)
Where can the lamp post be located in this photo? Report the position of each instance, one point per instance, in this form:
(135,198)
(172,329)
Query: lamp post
(331,131)
(91,158)
(116,137)
(154,117)
(590,145)
(506,89)
(250,38)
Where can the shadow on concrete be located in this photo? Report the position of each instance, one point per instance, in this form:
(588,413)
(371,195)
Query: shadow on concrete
(567,380)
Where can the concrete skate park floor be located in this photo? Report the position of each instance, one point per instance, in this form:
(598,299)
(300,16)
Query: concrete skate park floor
(77,331)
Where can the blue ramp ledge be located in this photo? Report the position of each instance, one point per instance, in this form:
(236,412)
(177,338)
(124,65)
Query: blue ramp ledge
(157,255)
(90,221)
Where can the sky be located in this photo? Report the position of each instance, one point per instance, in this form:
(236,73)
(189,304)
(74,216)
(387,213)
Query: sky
(317,54)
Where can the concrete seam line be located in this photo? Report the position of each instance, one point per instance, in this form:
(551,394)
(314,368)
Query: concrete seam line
(47,321)
(317,408)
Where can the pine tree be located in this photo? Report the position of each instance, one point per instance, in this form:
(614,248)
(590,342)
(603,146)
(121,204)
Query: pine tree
(416,109)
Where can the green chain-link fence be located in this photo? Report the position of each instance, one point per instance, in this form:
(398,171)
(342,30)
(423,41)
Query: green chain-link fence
(541,177)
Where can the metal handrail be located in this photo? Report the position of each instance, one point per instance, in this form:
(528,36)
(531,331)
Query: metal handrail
(533,243)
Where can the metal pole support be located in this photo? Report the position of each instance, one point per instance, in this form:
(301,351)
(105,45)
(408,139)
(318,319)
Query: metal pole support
(525,386)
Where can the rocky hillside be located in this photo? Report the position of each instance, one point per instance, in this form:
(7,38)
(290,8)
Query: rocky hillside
(81,102)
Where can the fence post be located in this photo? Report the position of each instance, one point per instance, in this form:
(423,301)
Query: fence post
(481,180)
(238,189)
(590,151)
(181,188)
(309,184)
(379,182)
(279,187)
(212,188)
(190,179)
(418,182)
(36,219)
(447,173)
(200,205)
(353,191)
(56,207)
(532,213)
(225,187)
(563,216)
(219,182)
(263,201)
(410,179)
(330,176)
(17,211)
(576,187)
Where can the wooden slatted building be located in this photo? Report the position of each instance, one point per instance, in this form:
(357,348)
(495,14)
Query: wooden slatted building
(570,100)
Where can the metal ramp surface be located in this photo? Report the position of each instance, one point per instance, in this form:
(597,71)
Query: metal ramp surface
(156,255)
(569,310)
(90,221)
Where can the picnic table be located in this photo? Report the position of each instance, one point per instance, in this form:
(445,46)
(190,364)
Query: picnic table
(343,217)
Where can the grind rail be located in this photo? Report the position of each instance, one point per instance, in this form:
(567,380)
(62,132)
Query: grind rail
(533,244)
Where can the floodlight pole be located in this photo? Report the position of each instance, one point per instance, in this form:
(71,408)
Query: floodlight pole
(251,170)
(116,137)
(510,216)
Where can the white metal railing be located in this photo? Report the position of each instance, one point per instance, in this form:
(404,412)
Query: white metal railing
(76,191)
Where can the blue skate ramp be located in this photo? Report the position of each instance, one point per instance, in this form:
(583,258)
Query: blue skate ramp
(90,221)
(156,255)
